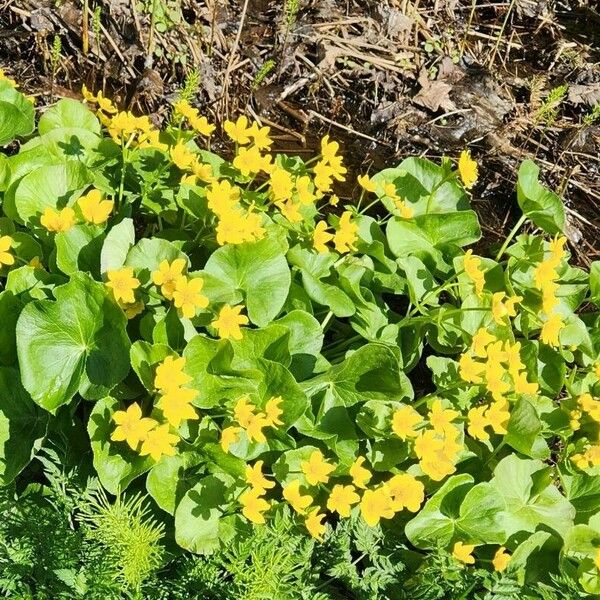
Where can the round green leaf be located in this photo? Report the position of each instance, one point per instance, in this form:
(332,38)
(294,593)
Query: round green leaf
(76,343)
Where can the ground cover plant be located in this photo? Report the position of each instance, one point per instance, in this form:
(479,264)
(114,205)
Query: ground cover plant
(216,358)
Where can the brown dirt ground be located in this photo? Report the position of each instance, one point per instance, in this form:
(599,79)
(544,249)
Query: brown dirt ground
(388,79)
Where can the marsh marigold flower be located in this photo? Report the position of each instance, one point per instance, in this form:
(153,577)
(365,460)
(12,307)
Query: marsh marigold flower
(346,234)
(314,524)
(255,477)
(176,405)
(551,329)
(260,135)
(169,374)
(472,268)
(254,506)
(376,505)
(273,411)
(360,475)
(464,553)
(366,183)
(406,491)
(316,469)
(501,559)
(238,130)
(292,495)
(167,275)
(321,237)
(131,426)
(123,283)
(93,208)
(467,169)
(341,499)
(187,296)
(230,435)
(229,321)
(477,422)
(404,421)
(159,442)
(6,257)
(57,221)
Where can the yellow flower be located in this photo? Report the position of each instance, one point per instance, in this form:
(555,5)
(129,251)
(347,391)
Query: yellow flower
(346,234)
(323,176)
(228,322)
(316,468)
(273,411)
(202,126)
(597,370)
(132,310)
(477,423)
(314,525)
(93,208)
(321,236)
(441,418)
(470,370)
(549,299)
(501,559)
(360,475)
(183,108)
(551,328)
(498,415)
(203,171)
(236,227)
(176,405)
(522,386)
(255,478)
(304,190)
(222,197)
(6,258)
(545,274)
(260,135)
(58,221)
(341,499)
(404,421)
(181,156)
(406,212)
(238,131)
(597,559)
(187,296)
(334,199)
(293,496)
(254,428)
(481,340)
(248,160)
(281,184)
(467,169)
(131,427)
(376,505)
(254,506)
(243,411)
(229,436)
(123,283)
(501,309)
(167,275)
(406,492)
(472,266)
(366,183)
(290,210)
(463,553)
(169,374)
(329,149)
(159,442)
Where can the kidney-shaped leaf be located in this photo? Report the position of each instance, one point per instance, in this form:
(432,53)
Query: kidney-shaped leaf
(76,343)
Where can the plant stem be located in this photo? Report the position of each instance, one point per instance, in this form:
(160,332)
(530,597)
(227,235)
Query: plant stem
(510,236)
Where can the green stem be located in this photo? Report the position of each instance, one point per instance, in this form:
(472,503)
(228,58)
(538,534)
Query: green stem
(510,236)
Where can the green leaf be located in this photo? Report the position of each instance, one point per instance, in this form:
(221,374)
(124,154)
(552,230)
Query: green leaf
(116,464)
(530,497)
(198,516)
(22,426)
(259,270)
(595,282)
(54,186)
(583,492)
(524,428)
(539,204)
(208,362)
(78,249)
(76,343)
(371,373)
(10,308)
(420,281)
(117,244)
(68,113)
(16,114)
(166,481)
(459,511)
(147,254)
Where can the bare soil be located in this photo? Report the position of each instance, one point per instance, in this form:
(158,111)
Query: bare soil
(387,78)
